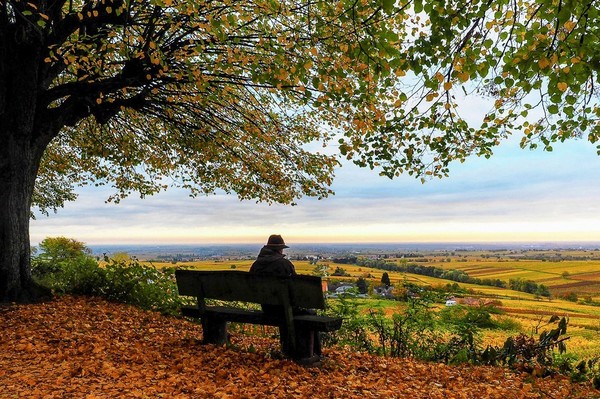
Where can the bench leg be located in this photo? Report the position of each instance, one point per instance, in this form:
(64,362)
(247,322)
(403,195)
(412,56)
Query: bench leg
(214,331)
(284,341)
(308,346)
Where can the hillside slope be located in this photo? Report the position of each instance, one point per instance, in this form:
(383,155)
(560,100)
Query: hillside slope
(90,348)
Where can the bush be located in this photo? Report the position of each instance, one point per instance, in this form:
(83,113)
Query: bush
(125,281)
(354,331)
(141,285)
(77,276)
(477,316)
(340,272)
(569,296)
(527,354)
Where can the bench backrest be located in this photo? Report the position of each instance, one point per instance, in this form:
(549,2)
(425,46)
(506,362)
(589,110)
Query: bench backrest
(300,291)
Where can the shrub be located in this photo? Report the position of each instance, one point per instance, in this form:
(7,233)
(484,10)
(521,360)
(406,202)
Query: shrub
(477,316)
(415,333)
(126,281)
(142,285)
(525,353)
(355,329)
(569,296)
(340,272)
(78,276)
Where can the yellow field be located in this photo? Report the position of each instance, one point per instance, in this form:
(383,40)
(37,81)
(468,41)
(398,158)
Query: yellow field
(579,276)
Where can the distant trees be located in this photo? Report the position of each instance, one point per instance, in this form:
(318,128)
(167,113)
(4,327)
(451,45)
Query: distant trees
(528,286)
(346,260)
(432,271)
(459,276)
(339,271)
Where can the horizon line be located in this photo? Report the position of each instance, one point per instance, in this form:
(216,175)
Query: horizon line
(524,242)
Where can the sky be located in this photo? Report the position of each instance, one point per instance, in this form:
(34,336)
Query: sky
(517,195)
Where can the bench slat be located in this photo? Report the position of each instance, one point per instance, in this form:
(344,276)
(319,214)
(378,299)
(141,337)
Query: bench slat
(231,286)
(306,322)
(318,323)
(232,314)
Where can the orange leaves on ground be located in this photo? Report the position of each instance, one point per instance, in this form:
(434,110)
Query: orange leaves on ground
(93,349)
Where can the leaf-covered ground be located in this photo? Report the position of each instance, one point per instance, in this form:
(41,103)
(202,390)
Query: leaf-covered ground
(90,348)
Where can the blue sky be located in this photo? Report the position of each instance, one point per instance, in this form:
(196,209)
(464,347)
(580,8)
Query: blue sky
(517,195)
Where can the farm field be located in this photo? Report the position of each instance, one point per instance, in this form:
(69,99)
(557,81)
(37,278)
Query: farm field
(560,276)
(529,311)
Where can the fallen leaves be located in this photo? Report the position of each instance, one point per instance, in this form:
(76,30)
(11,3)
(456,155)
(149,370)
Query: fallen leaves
(93,349)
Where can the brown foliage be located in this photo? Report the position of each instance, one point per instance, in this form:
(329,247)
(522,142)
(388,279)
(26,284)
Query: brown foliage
(90,348)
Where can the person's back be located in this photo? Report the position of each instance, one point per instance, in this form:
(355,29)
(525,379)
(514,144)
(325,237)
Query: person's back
(272,262)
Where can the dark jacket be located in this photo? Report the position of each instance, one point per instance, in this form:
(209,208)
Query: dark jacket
(272,263)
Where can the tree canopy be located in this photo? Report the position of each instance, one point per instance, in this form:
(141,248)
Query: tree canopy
(225,95)
(237,95)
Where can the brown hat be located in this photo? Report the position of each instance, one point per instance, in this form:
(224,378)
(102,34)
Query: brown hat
(276,241)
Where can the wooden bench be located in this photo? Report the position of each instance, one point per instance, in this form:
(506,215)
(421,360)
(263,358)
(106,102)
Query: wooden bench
(298,331)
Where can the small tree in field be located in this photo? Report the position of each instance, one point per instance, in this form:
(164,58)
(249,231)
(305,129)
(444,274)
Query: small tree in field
(362,285)
(53,254)
(59,249)
(385,279)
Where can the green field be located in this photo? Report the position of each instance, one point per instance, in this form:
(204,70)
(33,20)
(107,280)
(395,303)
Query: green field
(579,276)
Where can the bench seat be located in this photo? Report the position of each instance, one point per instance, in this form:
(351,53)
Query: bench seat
(237,315)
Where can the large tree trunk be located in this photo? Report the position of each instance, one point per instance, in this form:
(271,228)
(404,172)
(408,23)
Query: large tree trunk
(20,155)
(18,169)
(22,145)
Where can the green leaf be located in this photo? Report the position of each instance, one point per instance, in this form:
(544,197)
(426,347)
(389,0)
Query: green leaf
(388,5)
(418,6)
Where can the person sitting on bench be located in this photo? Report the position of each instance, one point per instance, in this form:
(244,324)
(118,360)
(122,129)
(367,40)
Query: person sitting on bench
(272,261)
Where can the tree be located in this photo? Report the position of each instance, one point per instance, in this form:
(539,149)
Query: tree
(145,94)
(362,285)
(385,279)
(55,254)
(339,271)
(60,249)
